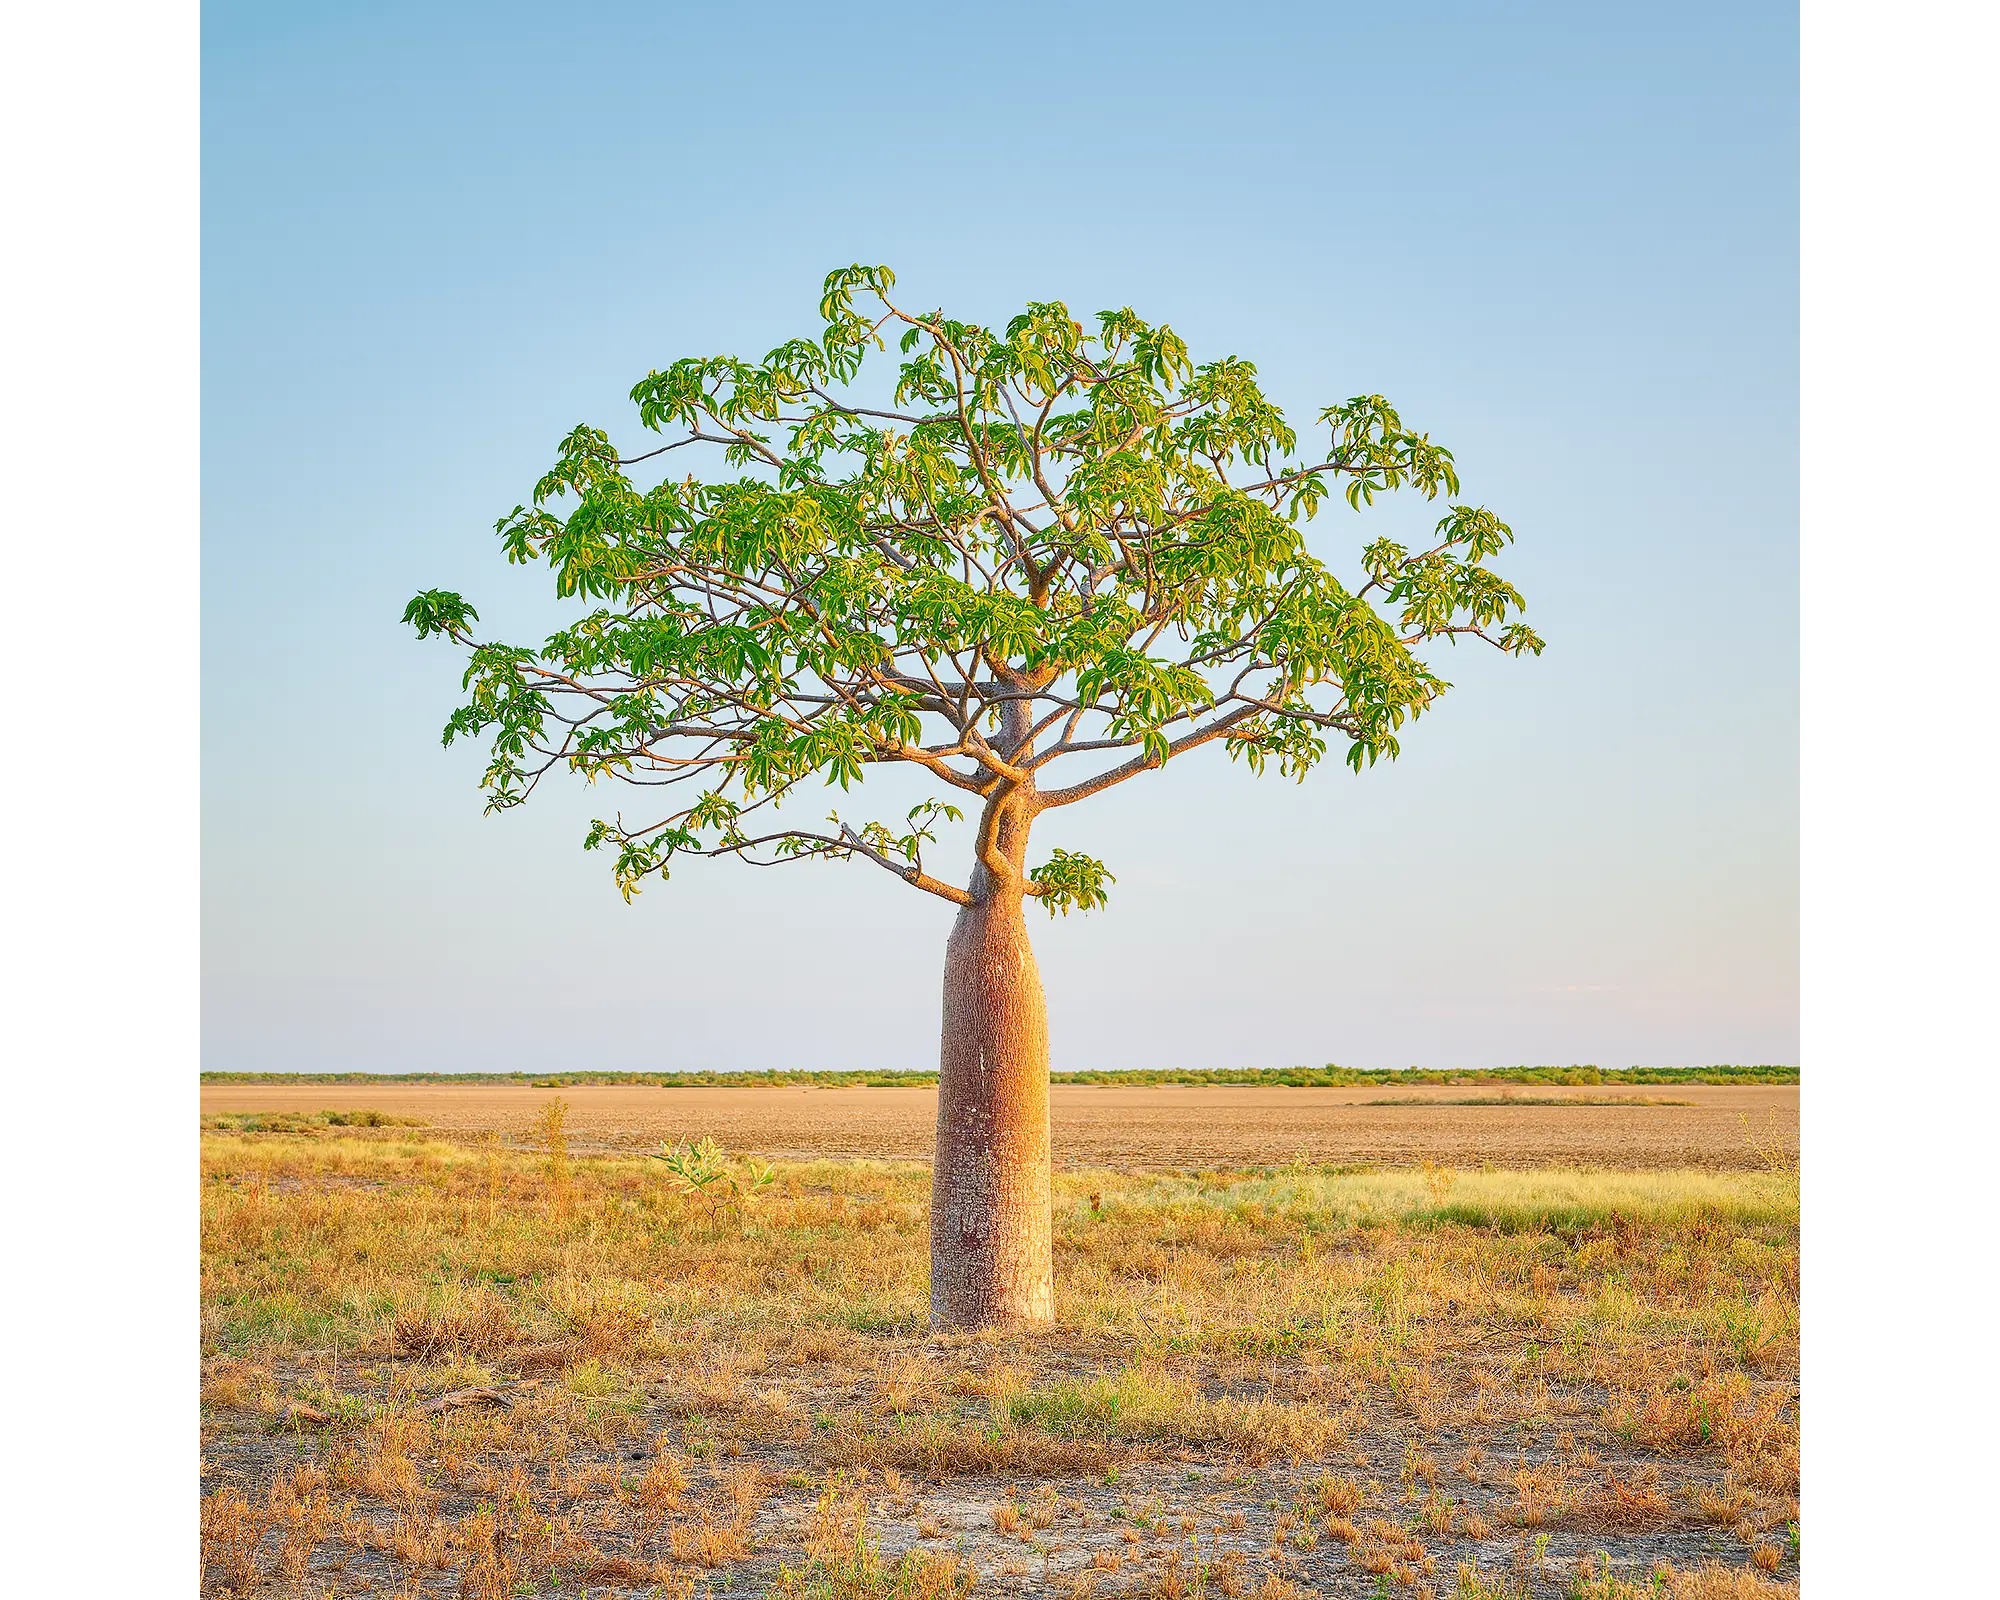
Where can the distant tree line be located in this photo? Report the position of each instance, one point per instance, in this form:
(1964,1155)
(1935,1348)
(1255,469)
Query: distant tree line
(1327,1077)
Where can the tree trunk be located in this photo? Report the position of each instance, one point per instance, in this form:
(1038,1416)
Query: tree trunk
(990,1215)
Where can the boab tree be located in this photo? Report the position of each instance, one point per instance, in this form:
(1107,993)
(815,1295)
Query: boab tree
(1048,561)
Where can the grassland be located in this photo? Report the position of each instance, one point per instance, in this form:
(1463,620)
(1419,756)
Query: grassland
(447,1367)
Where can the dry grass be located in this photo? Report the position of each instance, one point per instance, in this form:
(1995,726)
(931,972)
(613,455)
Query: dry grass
(843,1563)
(1708,1581)
(1261,1383)
(552,1130)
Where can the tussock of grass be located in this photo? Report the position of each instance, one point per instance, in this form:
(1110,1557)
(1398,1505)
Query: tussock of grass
(1134,1400)
(844,1563)
(1148,1403)
(941,1448)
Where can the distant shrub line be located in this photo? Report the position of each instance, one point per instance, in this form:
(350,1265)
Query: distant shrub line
(1327,1077)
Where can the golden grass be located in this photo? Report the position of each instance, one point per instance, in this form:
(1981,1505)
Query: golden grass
(675,1398)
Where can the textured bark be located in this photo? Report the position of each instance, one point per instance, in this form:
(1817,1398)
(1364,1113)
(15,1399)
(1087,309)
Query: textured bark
(990,1218)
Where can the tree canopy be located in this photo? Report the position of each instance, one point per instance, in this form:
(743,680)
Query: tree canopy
(1045,561)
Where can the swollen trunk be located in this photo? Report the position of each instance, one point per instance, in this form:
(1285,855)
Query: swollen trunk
(990,1223)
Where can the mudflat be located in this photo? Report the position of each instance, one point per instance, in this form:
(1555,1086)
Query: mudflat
(1155,1127)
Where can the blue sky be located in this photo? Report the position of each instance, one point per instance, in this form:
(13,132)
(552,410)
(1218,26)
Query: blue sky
(1561,239)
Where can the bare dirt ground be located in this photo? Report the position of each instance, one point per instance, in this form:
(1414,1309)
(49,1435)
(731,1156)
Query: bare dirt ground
(1172,1127)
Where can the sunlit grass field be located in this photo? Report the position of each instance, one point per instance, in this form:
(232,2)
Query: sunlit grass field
(1413,1381)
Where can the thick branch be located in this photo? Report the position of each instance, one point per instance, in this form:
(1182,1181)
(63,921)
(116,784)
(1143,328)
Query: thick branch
(1214,729)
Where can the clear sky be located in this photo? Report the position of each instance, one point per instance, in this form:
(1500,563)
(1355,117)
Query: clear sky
(1562,239)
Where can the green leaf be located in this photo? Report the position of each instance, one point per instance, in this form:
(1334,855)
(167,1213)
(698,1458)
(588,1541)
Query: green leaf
(1071,883)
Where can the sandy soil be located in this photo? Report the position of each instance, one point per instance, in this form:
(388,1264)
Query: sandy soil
(1172,1126)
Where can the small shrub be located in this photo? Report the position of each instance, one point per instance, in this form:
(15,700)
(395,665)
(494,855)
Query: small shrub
(369,1119)
(705,1171)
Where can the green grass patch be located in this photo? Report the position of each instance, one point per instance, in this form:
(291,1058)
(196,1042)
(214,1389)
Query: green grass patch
(305,1121)
(1558,1200)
